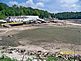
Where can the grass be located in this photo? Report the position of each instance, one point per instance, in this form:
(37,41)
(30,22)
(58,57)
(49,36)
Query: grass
(6,59)
(52,34)
(51,58)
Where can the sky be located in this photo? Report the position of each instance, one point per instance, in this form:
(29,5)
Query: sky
(53,6)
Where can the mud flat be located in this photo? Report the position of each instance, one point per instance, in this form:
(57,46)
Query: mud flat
(41,38)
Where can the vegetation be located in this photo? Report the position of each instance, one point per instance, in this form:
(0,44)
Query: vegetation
(6,59)
(53,58)
(50,58)
(15,10)
(20,10)
(29,59)
(68,15)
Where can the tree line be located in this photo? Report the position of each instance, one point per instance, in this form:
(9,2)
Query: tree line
(68,15)
(15,10)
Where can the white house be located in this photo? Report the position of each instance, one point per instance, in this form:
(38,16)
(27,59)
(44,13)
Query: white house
(22,18)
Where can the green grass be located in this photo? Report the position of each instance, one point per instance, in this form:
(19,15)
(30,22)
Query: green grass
(52,58)
(52,34)
(6,59)
(49,58)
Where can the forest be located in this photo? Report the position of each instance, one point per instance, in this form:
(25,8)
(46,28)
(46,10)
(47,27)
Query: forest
(15,10)
(68,15)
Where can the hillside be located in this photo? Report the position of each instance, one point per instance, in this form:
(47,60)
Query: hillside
(15,10)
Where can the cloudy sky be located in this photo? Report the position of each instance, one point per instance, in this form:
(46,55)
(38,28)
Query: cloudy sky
(49,5)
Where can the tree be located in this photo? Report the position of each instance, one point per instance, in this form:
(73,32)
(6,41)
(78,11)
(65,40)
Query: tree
(3,6)
(20,10)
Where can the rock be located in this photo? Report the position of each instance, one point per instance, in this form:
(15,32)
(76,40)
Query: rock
(10,35)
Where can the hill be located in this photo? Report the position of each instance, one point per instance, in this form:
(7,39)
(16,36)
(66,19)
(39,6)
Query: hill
(15,10)
(20,10)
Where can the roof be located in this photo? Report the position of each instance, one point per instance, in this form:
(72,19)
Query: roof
(2,21)
(25,16)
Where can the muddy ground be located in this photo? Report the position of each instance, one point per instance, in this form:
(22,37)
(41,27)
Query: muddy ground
(51,38)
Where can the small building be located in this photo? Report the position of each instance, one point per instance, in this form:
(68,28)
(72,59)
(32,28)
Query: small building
(21,18)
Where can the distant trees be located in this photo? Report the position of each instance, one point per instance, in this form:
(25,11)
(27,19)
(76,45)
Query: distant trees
(68,15)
